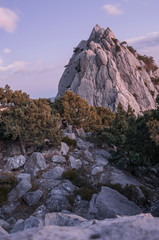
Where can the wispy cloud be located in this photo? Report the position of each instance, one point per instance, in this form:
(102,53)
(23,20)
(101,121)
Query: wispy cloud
(22,67)
(8,20)
(14,67)
(147,44)
(112,9)
(6,50)
(150,39)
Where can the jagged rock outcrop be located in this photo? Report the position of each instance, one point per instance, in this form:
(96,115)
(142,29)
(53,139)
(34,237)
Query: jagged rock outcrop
(105,72)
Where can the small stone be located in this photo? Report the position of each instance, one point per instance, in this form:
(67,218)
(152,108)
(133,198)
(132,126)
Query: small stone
(58,159)
(97,170)
(35,163)
(32,198)
(64,148)
(75,163)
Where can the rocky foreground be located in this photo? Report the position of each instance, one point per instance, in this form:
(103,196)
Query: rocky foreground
(74,192)
(58,226)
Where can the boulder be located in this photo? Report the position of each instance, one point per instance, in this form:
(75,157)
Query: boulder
(32,198)
(31,222)
(13,149)
(109,203)
(63,219)
(3,234)
(58,159)
(83,145)
(154,209)
(57,199)
(15,162)
(64,148)
(80,132)
(35,163)
(19,191)
(96,170)
(55,173)
(70,135)
(75,163)
(115,176)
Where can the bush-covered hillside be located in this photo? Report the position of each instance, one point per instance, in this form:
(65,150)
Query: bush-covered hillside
(34,121)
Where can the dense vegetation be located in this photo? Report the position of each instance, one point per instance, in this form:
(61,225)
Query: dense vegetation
(136,139)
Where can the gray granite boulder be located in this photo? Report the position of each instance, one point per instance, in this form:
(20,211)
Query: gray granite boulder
(63,219)
(35,163)
(15,162)
(75,163)
(64,148)
(54,173)
(32,198)
(58,159)
(109,203)
(19,191)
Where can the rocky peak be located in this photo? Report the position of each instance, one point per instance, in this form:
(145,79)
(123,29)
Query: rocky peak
(105,71)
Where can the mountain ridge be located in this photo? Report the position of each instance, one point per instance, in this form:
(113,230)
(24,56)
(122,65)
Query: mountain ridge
(105,72)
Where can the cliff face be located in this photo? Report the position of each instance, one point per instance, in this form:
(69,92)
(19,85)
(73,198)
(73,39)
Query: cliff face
(105,72)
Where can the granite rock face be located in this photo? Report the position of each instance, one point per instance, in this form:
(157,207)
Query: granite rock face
(104,72)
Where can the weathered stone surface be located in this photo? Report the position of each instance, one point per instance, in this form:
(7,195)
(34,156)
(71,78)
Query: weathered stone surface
(32,198)
(75,163)
(55,173)
(58,159)
(4,224)
(3,234)
(96,170)
(19,191)
(108,203)
(15,162)
(83,145)
(35,163)
(70,135)
(105,74)
(63,219)
(138,227)
(154,209)
(57,199)
(115,176)
(64,148)
(31,222)
(80,132)
(13,149)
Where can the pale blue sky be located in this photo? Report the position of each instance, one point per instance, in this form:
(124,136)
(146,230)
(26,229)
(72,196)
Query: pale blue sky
(38,36)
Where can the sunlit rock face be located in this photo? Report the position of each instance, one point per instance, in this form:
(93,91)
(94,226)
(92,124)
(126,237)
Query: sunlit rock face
(105,72)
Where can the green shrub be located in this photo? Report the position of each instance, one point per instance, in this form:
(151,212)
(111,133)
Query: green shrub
(155,80)
(72,175)
(152,92)
(118,48)
(131,49)
(149,62)
(7,183)
(70,142)
(139,68)
(135,96)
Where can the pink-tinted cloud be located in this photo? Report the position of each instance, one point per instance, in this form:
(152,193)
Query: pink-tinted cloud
(8,20)
(112,9)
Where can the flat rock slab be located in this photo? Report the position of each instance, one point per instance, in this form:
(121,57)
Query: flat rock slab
(109,203)
(138,227)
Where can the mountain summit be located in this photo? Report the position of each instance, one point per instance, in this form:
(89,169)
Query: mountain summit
(105,71)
